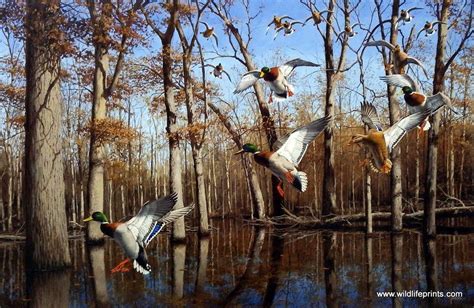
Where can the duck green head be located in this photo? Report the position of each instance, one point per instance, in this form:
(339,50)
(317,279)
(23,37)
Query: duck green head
(97,216)
(248,148)
(265,70)
(407,90)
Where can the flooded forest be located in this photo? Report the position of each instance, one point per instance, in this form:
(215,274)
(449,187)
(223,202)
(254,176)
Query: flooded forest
(298,153)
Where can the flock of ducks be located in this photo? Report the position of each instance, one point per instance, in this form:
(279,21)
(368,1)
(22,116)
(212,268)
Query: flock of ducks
(134,235)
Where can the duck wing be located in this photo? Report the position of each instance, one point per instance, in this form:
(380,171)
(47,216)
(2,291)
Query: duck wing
(381,43)
(396,132)
(369,116)
(293,146)
(435,102)
(248,79)
(289,66)
(401,80)
(419,63)
(146,224)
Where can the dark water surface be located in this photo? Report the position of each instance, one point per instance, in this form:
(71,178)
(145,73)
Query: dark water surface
(245,266)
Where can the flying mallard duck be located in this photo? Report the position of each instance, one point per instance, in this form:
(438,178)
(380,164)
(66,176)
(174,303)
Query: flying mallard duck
(316,16)
(416,100)
(134,235)
(381,143)
(275,76)
(349,31)
(287,28)
(291,149)
(209,32)
(277,21)
(218,70)
(405,16)
(400,58)
(429,28)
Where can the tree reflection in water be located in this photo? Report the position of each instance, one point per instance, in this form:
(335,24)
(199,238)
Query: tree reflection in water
(241,265)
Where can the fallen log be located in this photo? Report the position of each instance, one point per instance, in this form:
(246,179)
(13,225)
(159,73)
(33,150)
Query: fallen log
(22,238)
(356,220)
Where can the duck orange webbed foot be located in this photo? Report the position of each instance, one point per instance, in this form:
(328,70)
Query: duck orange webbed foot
(122,267)
(281,192)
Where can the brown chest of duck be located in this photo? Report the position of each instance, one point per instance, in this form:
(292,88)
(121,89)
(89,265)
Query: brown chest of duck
(270,74)
(413,98)
(263,158)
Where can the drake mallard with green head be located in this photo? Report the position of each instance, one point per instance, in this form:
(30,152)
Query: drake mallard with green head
(414,97)
(276,77)
(134,235)
(284,162)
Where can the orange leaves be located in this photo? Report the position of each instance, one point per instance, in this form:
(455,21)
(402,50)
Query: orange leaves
(17,121)
(110,130)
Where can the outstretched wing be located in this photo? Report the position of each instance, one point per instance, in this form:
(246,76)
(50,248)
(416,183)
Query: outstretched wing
(144,226)
(289,66)
(381,43)
(420,32)
(248,79)
(215,38)
(396,132)
(418,62)
(205,24)
(293,146)
(435,102)
(227,74)
(401,80)
(413,8)
(369,116)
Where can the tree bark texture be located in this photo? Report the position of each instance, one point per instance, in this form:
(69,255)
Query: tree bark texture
(44,200)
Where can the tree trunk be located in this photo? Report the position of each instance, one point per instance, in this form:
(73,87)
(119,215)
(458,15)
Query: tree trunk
(175,181)
(44,201)
(394,110)
(329,179)
(432,155)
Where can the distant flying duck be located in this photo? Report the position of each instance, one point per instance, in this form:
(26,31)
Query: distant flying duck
(208,32)
(276,78)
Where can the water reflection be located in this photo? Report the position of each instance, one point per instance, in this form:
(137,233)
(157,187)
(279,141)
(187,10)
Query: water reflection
(240,265)
(97,270)
(48,289)
(397,267)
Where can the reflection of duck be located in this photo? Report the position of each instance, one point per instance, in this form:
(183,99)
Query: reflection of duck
(134,235)
(416,100)
(292,147)
(275,76)
(400,58)
(380,143)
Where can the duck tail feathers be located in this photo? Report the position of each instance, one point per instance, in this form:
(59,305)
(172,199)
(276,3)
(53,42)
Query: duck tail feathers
(300,181)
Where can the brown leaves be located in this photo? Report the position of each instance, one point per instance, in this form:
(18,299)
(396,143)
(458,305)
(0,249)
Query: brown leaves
(110,130)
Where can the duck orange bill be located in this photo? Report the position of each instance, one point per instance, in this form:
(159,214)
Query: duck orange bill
(88,219)
(239,152)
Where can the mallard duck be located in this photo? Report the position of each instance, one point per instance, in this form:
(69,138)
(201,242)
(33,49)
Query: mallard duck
(416,100)
(400,58)
(429,28)
(283,162)
(135,234)
(316,16)
(275,76)
(287,28)
(218,70)
(405,16)
(277,21)
(381,143)
(208,32)
(349,31)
